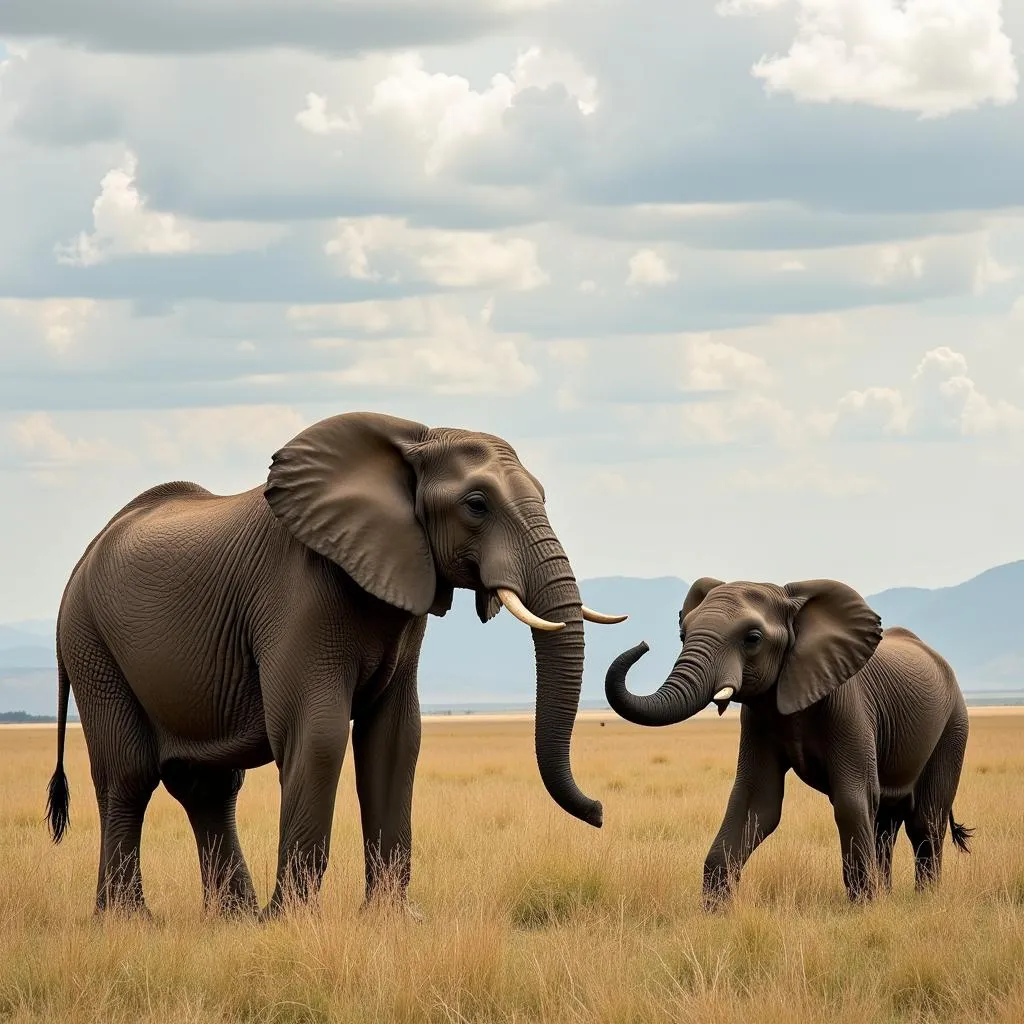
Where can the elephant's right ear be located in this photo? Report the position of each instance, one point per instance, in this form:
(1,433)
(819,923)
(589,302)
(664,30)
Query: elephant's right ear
(699,589)
(835,633)
(344,488)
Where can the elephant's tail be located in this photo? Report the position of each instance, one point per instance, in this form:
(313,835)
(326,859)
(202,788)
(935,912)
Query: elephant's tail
(58,795)
(960,833)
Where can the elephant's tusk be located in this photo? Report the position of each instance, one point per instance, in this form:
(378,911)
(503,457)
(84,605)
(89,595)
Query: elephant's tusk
(523,614)
(605,620)
(725,693)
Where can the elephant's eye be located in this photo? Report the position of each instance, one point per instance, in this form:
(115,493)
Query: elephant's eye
(476,503)
(752,639)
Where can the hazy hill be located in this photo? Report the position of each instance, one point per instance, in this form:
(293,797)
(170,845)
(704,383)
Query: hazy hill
(976,624)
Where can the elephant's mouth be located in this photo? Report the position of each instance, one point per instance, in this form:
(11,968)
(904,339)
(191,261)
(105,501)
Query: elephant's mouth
(487,603)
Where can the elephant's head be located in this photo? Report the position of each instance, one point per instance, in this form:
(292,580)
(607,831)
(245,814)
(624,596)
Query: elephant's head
(741,640)
(410,512)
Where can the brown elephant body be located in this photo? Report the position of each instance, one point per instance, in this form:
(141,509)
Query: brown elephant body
(873,719)
(206,634)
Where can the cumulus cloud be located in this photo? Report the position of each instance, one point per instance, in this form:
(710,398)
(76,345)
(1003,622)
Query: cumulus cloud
(422,344)
(942,401)
(897,262)
(450,259)
(180,436)
(47,447)
(867,414)
(714,366)
(443,110)
(930,57)
(315,119)
(646,267)
(58,322)
(751,417)
(124,224)
(988,271)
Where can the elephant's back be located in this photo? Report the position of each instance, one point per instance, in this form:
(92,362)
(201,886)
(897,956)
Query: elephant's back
(162,592)
(170,541)
(914,693)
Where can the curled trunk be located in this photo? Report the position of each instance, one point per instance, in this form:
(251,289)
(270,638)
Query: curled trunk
(688,688)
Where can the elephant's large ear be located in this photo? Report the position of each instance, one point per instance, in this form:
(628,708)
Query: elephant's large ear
(834,635)
(345,488)
(699,589)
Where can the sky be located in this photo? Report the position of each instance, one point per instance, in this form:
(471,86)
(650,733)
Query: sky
(741,282)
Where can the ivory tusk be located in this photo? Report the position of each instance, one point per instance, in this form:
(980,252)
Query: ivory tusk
(607,620)
(725,693)
(523,614)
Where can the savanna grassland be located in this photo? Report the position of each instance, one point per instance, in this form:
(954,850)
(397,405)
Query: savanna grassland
(529,914)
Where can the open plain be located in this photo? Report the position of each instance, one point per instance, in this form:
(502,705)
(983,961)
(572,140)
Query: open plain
(529,914)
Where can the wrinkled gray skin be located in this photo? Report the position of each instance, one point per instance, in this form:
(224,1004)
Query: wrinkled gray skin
(874,720)
(203,635)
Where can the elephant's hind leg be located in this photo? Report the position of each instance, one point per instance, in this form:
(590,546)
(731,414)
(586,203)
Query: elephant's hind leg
(888,820)
(926,825)
(123,761)
(209,796)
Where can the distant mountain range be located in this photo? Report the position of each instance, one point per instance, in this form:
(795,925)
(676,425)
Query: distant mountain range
(978,625)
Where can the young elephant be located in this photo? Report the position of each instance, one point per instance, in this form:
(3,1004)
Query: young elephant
(873,719)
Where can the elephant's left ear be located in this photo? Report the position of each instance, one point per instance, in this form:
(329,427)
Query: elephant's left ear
(835,633)
(346,488)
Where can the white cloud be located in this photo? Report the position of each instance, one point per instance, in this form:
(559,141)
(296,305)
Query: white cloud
(124,224)
(942,401)
(647,267)
(948,399)
(60,322)
(424,342)
(989,271)
(180,436)
(427,345)
(315,119)
(930,57)
(750,417)
(451,259)
(714,366)
(866,414)
(48,447)
(788,266)
(443,110)
(897,262)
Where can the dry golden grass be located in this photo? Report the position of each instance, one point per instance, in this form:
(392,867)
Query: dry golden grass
(530,915)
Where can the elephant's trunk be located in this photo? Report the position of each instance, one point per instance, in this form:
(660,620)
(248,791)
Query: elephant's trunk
(689,687)
(554,595)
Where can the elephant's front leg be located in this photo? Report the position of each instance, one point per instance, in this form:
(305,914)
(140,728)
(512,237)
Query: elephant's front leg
(855,807)
(386,746)
(309,755)
(753,812)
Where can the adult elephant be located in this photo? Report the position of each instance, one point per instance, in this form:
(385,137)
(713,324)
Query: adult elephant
(875,720)
(206,634)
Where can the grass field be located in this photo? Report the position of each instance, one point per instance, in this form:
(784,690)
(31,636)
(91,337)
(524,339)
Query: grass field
(530,915)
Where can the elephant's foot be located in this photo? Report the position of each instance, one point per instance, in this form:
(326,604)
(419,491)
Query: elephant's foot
(126,911)
(271,912)
(716,901)
(862,894)
(401,905)
(232,907)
